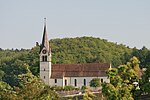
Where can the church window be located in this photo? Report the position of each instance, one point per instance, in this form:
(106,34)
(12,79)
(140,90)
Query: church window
(44,69)
(55,80)
(44,58)
(84,82)
(44,77)
(65,82)
(101,80)
(75,82)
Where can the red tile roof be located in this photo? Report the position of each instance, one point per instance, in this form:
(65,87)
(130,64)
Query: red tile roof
(79,70)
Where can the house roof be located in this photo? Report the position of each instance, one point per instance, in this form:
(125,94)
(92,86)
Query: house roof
(79,70)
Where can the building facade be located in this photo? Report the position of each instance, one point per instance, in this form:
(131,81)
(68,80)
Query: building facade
(77,75)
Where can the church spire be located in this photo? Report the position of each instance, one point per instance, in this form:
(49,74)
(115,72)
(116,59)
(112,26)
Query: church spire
(45,41)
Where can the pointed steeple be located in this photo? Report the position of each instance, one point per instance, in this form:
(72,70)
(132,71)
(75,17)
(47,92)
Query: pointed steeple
(45,41)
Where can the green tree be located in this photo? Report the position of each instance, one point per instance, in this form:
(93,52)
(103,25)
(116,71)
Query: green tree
(32,88)
(11,71)
(88,95)
(145,81)
(1,74)
(6,92)
(33,60)
(141,54)
(121,85)
(95,82)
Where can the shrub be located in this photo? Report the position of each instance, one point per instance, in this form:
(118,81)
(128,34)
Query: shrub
(69,88)
(83,87)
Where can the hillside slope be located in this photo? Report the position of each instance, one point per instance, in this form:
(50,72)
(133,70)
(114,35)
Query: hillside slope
(88,50)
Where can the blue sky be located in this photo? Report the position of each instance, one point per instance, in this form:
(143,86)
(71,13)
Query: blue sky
(121,21)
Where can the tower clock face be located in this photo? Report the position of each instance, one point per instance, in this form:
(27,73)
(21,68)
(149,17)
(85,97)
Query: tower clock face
(44,51)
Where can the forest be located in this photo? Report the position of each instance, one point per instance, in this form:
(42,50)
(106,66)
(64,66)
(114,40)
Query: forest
(19,68)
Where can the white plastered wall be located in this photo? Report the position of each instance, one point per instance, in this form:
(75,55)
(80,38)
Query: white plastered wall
(80,81)
(59,82)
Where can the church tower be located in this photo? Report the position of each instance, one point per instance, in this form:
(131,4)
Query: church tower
(45,57)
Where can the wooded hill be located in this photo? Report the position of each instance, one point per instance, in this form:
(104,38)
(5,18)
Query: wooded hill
(88,50)
(74,50)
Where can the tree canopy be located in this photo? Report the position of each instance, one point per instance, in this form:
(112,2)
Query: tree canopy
(95,82)
(122,79)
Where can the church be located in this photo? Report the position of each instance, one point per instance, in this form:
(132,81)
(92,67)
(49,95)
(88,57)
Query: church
(77,75)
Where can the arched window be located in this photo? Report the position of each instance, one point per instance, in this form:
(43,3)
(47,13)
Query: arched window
(44,58)
(75,82)
(55,80)
(65,82)
(101,80)
(84,82)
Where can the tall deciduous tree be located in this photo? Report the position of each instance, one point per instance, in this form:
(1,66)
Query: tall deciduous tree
(95,82)
(6,92)
(121,85)
(145,81)
(32,88)
(88,95)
